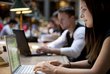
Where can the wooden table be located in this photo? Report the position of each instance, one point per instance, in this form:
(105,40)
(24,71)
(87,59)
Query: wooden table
(30,60)
(34,60)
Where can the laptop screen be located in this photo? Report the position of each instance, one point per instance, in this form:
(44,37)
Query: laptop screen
(12,52)
(22,44)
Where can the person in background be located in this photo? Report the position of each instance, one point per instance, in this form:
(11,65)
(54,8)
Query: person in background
(56,21)
(8,28)
(52,27)
(97,42)
(35,27)
(1,24)
(6,19)
(72,40)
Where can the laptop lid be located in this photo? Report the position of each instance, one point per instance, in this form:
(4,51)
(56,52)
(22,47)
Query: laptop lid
(22,42)
(14,59)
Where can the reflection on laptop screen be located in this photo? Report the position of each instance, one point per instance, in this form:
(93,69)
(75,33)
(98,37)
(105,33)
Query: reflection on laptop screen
(13,52)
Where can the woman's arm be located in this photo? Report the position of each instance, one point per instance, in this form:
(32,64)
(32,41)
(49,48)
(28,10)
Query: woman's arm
(50,69)
(80,64)
(101,66)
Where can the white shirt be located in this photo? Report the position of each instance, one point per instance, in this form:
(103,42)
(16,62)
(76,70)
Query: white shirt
(6,30)
(77,45)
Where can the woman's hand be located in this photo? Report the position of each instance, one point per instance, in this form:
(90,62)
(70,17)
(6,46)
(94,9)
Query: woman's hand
(55,63)
(45,67)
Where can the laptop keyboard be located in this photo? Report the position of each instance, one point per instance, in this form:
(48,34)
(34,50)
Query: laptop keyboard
(27,69)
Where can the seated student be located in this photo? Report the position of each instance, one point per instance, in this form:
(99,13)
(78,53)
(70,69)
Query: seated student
(7,29)
(98,42)
(72,40)
(51,27)
(1,26)
(56,21)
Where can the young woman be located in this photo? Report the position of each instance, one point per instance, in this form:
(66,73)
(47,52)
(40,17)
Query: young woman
(97,41)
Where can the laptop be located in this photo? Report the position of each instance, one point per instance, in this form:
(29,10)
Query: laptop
(14,59)
(23,44)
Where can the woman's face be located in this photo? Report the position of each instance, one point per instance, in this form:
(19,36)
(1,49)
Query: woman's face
(85,14)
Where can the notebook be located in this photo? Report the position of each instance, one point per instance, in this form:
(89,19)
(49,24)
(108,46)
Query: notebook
(23,44)
(14,60)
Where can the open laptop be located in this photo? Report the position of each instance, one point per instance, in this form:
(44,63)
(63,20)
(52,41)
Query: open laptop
(23,44)
(14,60)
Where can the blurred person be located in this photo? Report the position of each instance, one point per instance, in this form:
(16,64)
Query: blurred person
(97,42)
(33,28)
(8,28)
(6,19)
(52,27)
(72,40)
(56,21)
(1,24)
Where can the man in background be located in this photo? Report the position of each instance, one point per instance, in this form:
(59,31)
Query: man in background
(8,28)
(72,40)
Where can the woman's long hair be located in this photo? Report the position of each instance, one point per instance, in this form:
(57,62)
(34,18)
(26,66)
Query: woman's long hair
(95,35)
